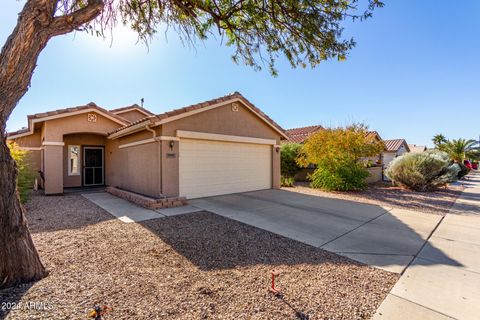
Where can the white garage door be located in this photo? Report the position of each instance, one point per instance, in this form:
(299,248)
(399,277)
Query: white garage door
(209,168)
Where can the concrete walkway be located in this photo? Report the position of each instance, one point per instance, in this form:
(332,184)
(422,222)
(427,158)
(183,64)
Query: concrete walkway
(443,282)
(124,210)
(380,236)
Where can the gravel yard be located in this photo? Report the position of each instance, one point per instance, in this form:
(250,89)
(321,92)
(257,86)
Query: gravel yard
(383,193)
(194,266)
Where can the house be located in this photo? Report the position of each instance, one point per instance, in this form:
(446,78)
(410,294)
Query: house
(394,148)
(417,149)
(221,146)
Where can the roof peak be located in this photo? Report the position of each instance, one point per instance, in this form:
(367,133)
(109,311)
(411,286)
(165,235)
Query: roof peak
(207,103)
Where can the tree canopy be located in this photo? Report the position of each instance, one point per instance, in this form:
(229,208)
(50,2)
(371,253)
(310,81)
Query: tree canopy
(459,149)
(340,145)
(306,32)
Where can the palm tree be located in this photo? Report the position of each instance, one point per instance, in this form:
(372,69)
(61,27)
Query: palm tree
(459,149)
(439,140)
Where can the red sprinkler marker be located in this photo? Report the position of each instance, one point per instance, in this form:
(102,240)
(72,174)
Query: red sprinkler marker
(272,289)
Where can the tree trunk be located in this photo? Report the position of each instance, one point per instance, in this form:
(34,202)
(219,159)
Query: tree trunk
(19,260)
(36,25)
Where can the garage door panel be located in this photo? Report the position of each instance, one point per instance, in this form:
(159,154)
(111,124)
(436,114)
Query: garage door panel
(210,168)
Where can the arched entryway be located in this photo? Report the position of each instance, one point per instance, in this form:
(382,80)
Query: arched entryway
(84,160)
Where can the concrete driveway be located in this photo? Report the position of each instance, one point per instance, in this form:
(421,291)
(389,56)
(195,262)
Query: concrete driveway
(380,236)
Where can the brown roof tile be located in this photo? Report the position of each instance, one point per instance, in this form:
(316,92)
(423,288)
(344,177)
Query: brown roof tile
(66,111)
(395,144)
(417,149)
(136,106)
(299,135)
(200,106)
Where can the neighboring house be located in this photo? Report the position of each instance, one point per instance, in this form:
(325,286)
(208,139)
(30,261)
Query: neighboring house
(299,135)
(220,146)
(417,149)
(375,136)
(394,148)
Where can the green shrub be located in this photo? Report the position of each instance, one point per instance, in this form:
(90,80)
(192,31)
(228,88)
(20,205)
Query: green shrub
(287,181)
(423,171)
(339,176)
(26,177)
(288,159)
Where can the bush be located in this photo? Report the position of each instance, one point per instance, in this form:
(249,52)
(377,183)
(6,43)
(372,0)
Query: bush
(287,181)
(25,176)
(339,177)
(288,159)
(423,171)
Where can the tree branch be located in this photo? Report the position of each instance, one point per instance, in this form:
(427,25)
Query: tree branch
(70,22)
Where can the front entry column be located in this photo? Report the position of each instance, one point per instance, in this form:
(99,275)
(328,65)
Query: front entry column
(276,183)
(170,167)
(53,167)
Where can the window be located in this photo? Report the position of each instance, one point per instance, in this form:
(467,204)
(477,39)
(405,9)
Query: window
(73,160)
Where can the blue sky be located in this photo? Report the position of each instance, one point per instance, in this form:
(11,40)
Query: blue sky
(414,73)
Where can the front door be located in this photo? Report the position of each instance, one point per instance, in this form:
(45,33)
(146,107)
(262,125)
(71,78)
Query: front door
(93,160)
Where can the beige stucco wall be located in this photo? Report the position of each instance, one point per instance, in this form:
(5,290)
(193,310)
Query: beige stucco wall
(170,166)
(223,120)
(134,168)
(132,115)
(375,174)
(387,157)
(30,141)
(55,129)
(53,169)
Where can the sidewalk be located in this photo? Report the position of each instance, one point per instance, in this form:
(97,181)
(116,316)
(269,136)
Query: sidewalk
(445,286)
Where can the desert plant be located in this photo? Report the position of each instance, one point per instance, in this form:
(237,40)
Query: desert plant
(459,149)
(339,155)
(287,181)
(439,140)
(339,177)
(423,171)
(25,176)
(288,159)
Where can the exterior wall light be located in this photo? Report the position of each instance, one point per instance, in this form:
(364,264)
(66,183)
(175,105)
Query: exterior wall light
(171,144)
(277,149)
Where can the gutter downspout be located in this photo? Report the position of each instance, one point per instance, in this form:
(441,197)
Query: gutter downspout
(159,152)
(147,127)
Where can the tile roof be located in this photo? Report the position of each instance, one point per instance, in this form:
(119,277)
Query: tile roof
(417,149)
(136,106)
(299,135)
(14,133)
(91,105)
(66,111)
(395,144)
(201,105)
(372,134)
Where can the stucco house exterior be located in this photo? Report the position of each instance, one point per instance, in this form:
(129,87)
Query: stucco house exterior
(394,148)
(220,146)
